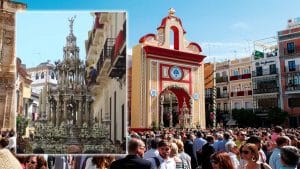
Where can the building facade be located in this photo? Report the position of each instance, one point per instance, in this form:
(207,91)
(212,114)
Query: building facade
(223,91)
(106,57)
(240,83)
(167,79)
(289,54)
(8,62)
(265,76)
(42,76)
(23,90)
(209,84)
(234,87)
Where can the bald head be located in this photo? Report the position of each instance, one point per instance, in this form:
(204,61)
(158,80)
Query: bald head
(134,145)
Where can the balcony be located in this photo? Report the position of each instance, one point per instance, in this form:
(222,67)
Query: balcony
(291,52)
(292,87)
(222,79)
(118,60)
(222,95)
(239,77)
(241,93)
(265,72)
(266,90)
(105,56)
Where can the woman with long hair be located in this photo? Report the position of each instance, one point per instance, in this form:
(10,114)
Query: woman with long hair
(221,160)
(36,162)
(249,153)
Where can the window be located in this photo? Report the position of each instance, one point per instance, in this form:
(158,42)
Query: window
(248,105)
(218,91)
(290,47)
(237,105)
(36,76)
(224,73)
(52,75)
(259,71)
(225,107)
(218,106)
(294,102)
(272,69)
(217,75)
(292,65)
(246,71)
(224,89)
(235,72)
(42,75)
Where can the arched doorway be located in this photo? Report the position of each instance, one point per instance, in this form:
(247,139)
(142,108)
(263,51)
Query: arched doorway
(175,108)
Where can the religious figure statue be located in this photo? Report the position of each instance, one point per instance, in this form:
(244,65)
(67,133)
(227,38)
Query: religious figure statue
(71,20)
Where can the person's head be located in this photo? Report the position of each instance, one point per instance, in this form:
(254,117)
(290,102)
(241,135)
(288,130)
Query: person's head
(249,152)
(241,136)
(174,150)
(255,140)
(289,156)
(3,142)
(278,129)
(36,162)
(283,141)
(221,160)
(154,142)
(11,133)
(164,149)
(210,139)
(180,145)
(136,147)
(231,147)
(199,134)
(189,136)
(226,136)
(103,161)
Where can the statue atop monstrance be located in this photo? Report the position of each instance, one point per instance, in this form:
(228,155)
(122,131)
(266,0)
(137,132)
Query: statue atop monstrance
(69,120)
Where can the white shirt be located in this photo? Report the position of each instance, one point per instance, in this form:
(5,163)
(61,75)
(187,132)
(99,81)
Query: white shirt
(164,163)
(234,160)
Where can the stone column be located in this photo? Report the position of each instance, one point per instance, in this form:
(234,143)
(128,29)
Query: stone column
(57,114)
(54,115)
(79,115)
(86,110)
(50,111)
(65,110)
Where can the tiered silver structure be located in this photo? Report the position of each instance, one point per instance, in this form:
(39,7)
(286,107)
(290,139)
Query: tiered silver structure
(68,119)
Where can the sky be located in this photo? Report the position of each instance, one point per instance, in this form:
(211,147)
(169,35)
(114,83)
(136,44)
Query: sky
(224,29)
(41,35)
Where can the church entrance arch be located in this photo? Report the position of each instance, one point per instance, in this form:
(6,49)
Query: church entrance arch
(175,107)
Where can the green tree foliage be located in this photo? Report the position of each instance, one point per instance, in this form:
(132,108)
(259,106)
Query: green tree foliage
(277,116)
(244,117)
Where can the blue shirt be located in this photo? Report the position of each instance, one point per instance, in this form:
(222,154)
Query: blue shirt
(275,161)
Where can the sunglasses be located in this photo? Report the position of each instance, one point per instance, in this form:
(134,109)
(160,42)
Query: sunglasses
(245,152)
(31,162)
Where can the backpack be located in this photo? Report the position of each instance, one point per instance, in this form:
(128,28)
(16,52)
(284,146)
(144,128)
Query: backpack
(157,162)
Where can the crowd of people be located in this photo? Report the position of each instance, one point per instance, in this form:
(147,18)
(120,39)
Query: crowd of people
(234,148)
